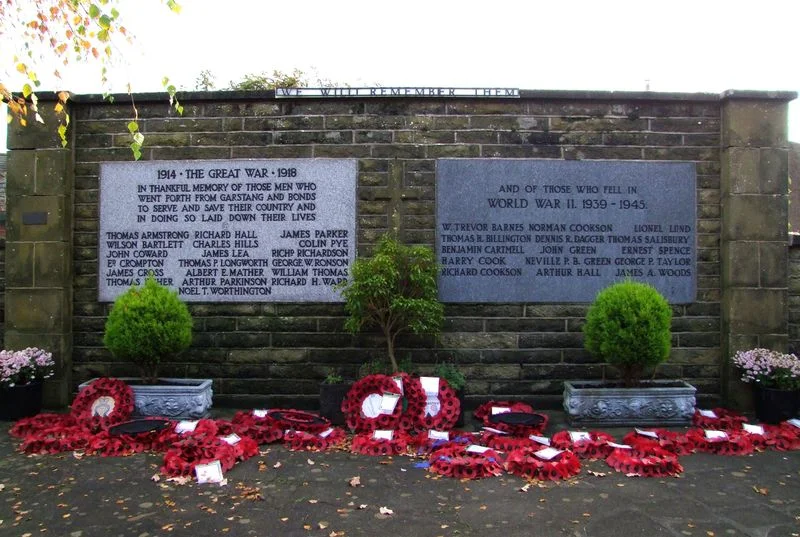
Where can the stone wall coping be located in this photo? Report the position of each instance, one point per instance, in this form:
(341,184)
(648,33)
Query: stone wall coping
(563,95)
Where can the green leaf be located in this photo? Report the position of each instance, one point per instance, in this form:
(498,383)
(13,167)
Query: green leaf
(133,127)
(138,138)
(114,13)
(104,22)
(165,81)
(179,109)
(102,35)
(136,149)
(62,133)
(94,11)
(26,90)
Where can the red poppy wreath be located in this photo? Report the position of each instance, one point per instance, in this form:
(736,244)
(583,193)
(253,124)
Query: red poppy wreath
(465,462)
(645,462)
(586,445)
(437,408)
(526,463)
(299,440)
(373,402)
(104,402)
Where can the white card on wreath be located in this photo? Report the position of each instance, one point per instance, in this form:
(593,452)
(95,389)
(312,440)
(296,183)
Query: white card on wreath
(648,434)
(186,426)
(715,435)
(438,435)
(326,433)
(260,413)
(382,434)
(430,385)
(540,439)
(209,473)
(389,402)
(493,430)
(500,410)
(708,413)
(580,436)
(794,421)
(619,446)
(753,429)
(231,439)
(399,382)
(548,453)
(475,448)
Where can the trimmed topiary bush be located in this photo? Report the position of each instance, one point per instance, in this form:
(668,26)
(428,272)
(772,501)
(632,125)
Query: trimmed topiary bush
(628,326)
(146,325)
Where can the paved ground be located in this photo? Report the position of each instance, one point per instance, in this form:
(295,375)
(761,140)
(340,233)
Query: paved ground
(300,494)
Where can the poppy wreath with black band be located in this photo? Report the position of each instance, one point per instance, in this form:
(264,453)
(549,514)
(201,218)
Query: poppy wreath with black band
(184,455)
(299,440)
(672,441)
(365,444)
(645,462)
(524,463)
(518,429)
(262,433)
(595,447)
(453,460)
(353,403)
(106,444)
(485,410)
(56,440)
(726,420)
(103,392)
(40,422)
(735,444)
(298,420)
(449,407)
(783,437)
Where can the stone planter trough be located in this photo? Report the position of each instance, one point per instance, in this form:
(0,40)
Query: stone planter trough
(172,398)
(656,403)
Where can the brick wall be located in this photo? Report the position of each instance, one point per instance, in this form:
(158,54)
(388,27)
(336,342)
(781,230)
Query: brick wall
(277,353)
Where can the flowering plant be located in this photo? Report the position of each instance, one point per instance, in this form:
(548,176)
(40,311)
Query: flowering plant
(770,369)
(22,367)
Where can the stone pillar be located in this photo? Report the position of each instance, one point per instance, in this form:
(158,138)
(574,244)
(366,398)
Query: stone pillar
(39,248)
(754,247)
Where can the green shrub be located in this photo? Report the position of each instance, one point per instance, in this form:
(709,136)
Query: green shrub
(146,325)
(395,290)
(628,326)
(452,374)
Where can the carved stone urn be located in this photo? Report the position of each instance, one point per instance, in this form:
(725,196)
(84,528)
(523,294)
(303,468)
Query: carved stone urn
(655,403)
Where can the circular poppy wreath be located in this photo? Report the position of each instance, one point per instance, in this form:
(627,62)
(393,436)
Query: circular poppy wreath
(298,420)
(104,402)
(783,437)
(595,448)
(453,460)
(760,441)
(262,433)
(726,420)
(56,440)
(365,444)
(671,441)
(485,410)
(35,424)
(300,440)
(424,444)
(415,417)
(503,442)
(185,454)
(365,391)
(528,423)
(736,443)
(647,462)
(524,463)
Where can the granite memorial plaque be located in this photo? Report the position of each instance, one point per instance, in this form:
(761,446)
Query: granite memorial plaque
(515,230)
(228,231)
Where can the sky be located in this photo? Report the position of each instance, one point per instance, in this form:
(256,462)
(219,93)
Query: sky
(676,46)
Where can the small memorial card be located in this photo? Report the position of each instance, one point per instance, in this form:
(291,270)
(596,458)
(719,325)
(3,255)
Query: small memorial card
(208,473)
(753,429)
(500,410)
(399,382)
(580,436)
(438,435)
(548,453)
(475,448)
(260,413)
(326,433)
(389,402)
(794,421)
(231,439)
(431,387)
(648,434)
(543,440)
(382,434)
(619,446)
(493,430)
(186,426)
(708,413)
(716,436)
